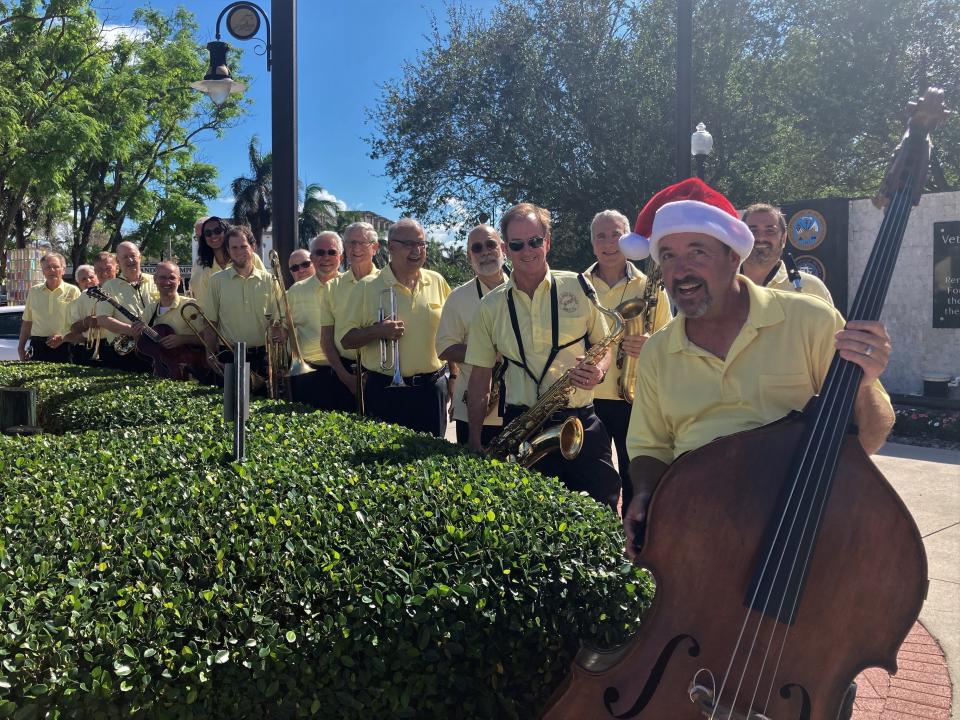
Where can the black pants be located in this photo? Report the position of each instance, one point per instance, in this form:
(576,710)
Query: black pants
(592,470)
(323,390)
(615,416)
(422,405)
(488,433)
(131,362)
(41,351)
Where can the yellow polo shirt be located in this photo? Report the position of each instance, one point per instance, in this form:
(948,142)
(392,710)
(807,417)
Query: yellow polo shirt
(200,279)
(491,332)
(336,302)
(48,309)
(240,305)
(627,288)
(686,396)
(84,306)
(809,284)
(419,310)
(454,329)
(134,299)
(171,316)
(306,299)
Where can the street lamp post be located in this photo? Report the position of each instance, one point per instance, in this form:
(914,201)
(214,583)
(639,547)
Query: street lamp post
(243,22)
(684,73)
(701,145)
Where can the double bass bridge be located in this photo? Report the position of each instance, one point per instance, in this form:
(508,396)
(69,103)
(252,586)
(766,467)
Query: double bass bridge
(704,698)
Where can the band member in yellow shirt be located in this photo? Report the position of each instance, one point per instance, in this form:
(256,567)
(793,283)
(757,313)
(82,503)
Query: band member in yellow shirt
(133,289)
(485,254)
(240,299)
(541,322)
(617,280)
(82,318)
(45,315)
(320,388)
(402,348)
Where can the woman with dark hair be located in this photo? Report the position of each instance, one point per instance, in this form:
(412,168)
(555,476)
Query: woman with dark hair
(212,257)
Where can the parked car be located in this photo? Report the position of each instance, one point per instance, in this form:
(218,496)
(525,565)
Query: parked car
(10,318)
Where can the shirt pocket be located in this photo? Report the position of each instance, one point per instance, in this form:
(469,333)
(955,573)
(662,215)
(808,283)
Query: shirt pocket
(435,310)
(782,392)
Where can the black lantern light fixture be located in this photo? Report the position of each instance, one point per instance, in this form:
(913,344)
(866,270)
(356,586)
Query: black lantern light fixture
(244,22)
(701,145)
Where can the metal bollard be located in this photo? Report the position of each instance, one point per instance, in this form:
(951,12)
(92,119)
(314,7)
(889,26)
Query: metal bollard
(236,398)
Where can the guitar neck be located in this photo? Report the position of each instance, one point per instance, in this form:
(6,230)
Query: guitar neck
(147,330)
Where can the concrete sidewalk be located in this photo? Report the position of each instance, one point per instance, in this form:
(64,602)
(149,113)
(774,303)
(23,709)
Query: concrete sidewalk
(928,480)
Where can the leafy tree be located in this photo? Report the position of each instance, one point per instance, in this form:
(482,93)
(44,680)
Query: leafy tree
(318,213)
(50,55)
(570,105)
(151,122)
(253,196)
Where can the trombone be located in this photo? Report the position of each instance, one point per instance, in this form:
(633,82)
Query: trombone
(191,313)
(390,349)
(281,364)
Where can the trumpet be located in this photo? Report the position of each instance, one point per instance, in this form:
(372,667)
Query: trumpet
(390,349)
(191,313)
(281,364)
(92,340)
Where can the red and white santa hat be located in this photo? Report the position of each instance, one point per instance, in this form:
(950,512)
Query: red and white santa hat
(689,206)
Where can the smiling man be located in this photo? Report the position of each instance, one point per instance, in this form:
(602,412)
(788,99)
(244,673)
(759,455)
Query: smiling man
(45,317)
(134,290)
(485,254)
(540,322)
(617,280)
(421,402)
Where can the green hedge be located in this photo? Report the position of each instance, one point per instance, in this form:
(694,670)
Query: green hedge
(347,569)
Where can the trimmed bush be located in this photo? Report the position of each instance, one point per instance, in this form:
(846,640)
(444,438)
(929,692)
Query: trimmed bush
(348,569)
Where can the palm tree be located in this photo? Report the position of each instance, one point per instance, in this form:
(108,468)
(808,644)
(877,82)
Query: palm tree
(318,213)
(253,196)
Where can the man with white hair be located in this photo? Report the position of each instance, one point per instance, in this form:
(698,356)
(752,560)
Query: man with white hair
(362,243)
(45,315)
(406,337)
(82,317)
(134,290)
(617,280)
(485,253)
(319,388)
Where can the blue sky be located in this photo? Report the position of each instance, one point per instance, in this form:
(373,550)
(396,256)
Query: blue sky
(346,50)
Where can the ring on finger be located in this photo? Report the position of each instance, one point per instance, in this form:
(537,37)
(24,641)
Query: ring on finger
(869,351)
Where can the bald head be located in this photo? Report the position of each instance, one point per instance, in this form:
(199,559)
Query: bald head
(299,265)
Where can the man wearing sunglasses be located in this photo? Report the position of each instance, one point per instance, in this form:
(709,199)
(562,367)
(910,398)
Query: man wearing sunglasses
(403,343)
(765,264)
(212,257)
(617,280)
(362,244)
(320,388)
(485,253)
(541,322)
(300,265)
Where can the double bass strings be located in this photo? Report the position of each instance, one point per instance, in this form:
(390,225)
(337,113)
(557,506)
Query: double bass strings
(840,388)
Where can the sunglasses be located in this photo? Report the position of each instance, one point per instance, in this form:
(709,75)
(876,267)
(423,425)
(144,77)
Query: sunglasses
(478,247)
(213,231)
(518,245)
(411,244)
(328,251)
(300,266)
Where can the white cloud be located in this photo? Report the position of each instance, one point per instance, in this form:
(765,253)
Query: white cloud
(325,194)
(112,33)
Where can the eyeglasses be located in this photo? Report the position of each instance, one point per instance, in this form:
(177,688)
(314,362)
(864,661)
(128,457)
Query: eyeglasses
(518,245)
(359,243)
(411,244)
(213,231)
(300,266)
(329,251)
(478,247)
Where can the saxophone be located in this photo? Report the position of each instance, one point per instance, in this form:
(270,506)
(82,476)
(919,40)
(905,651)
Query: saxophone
(517,443)
(639,314)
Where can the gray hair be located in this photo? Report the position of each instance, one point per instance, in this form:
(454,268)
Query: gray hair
(609,215)
(58,256)
(364,227)
(328,234)
(402,223)
(84,267)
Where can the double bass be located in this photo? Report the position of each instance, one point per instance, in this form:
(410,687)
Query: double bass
(784,562)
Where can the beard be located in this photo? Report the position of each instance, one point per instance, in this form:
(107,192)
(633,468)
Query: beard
(695,305)
(487,267)
(763,253)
